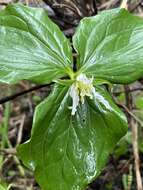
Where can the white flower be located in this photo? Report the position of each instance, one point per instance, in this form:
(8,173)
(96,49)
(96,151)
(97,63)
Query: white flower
(80,88)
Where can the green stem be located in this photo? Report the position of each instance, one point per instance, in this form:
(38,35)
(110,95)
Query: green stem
(5,139)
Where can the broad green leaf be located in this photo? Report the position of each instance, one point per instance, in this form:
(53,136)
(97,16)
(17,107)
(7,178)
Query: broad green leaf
(31,46)
(2,188)
(67,152)
(110,46)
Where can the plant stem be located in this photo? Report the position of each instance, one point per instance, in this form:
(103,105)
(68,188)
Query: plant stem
(20,168)
(5,139)
(134,129)
(5,125)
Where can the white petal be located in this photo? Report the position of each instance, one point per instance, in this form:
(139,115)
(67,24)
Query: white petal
(75,98)
(84,79)
(102,100)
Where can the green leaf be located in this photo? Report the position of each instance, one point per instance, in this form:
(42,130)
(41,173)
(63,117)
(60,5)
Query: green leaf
(67,152)
(139,101)
(32,46)
(110,46)
(2,188)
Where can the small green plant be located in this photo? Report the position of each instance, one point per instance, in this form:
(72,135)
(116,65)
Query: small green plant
(4,187)
(127,179)
(78,125)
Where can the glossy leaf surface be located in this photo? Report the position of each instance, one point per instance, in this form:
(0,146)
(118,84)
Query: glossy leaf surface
(110,46)
(68,152)
(31,46)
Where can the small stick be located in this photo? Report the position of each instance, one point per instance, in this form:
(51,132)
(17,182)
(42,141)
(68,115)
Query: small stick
(11,151)
(19,136)
(128,90)
(131,114)
(11,97)
(134,129)
(124,4)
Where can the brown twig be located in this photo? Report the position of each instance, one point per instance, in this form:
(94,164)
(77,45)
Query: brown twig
(131,114)
(11,97)
(136,6)
(108,4)
(11,151)
(136,154)
(134,129)
(128,90)
(5,2)
(69,7)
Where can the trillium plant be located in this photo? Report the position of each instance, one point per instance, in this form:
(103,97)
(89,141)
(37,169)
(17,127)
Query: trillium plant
(78,125)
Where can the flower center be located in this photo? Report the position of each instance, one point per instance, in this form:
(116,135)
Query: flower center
(82,87)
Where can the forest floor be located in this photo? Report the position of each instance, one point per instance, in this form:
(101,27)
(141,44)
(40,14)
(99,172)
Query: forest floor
(16,115)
